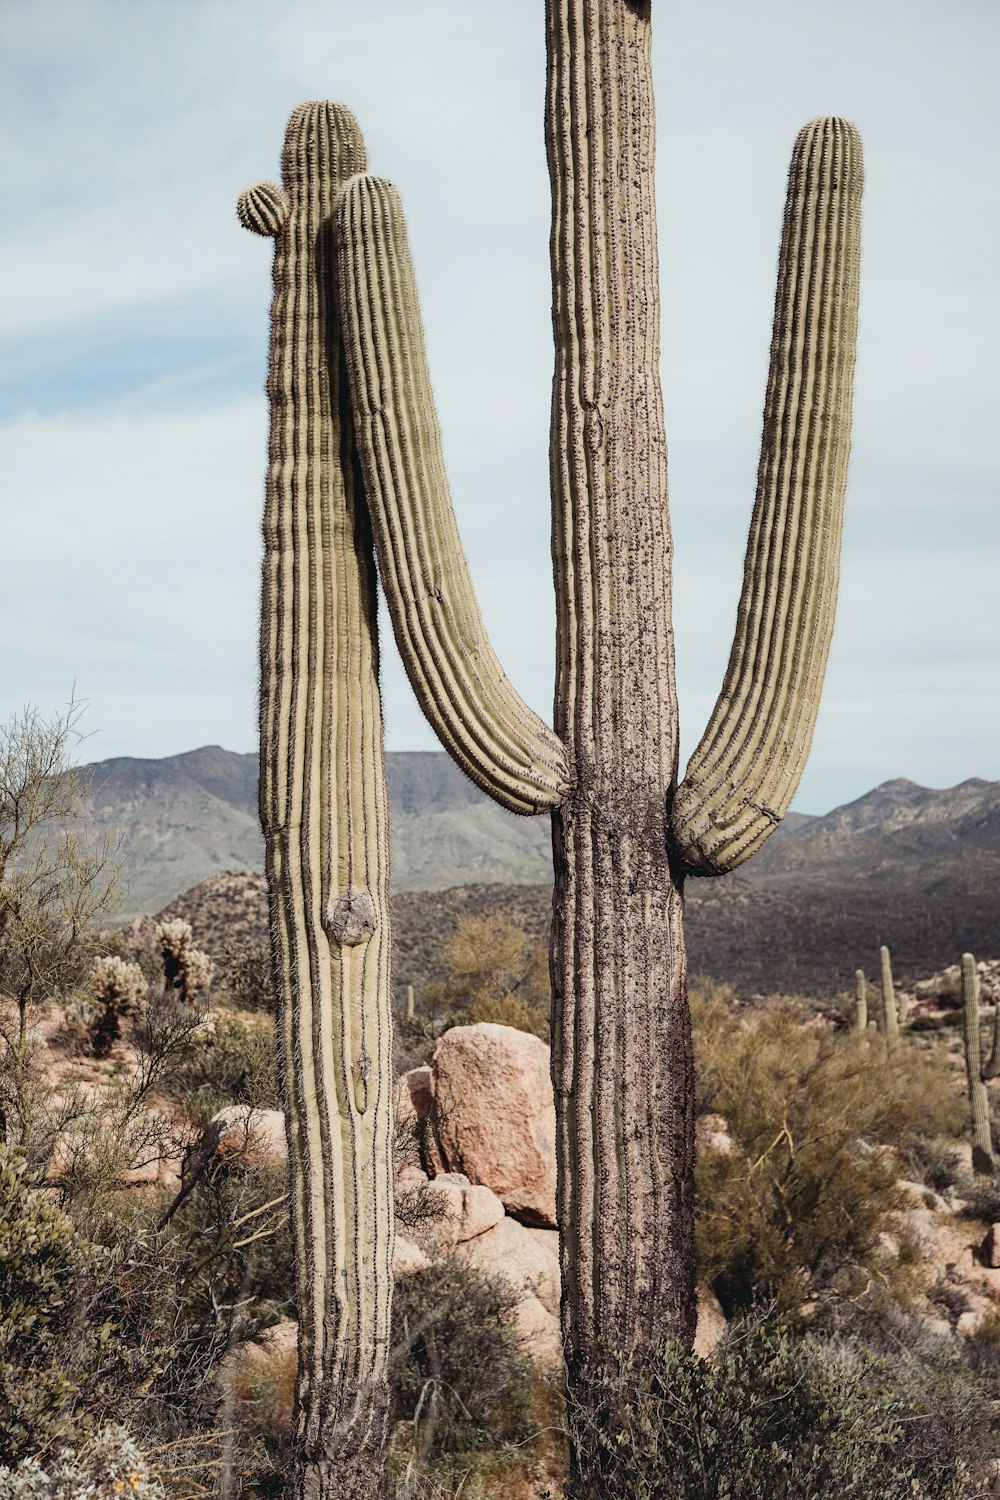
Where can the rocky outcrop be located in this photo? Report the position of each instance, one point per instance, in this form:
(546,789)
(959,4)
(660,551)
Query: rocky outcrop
(493,1115)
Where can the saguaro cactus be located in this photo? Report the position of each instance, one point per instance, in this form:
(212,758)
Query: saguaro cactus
(323,809)
(624,836)
(860,1001)
(890,1016)
(979,1102)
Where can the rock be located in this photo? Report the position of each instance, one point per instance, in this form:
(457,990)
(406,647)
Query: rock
(712,1134)
(407,1258)
(509,1250)
(547,1237)
(918,1196)
(712,1326)
(248,1137)
(495,1117)
(889,1245)
(415,1115)
(539,1330)
(990,1250)
(471,1209)
(274,1347)
(969,1324)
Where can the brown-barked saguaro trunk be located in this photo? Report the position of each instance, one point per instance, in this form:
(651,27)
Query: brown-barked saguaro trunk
(622,1064)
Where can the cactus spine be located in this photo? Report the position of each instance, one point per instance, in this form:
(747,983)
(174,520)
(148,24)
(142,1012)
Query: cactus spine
(323,810)
(979,1102)
(623,837)
(860,1001)
(890,1019)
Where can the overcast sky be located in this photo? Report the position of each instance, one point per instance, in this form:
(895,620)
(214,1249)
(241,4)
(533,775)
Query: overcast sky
(132,420)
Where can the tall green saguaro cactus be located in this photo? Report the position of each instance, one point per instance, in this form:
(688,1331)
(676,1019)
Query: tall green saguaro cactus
(979,1101)
(323,810)
(625,837)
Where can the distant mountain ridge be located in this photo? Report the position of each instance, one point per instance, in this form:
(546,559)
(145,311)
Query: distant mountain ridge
(907,865)
(187,817)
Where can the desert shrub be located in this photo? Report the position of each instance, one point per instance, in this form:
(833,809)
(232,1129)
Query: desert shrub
(926,1020)
(459,1376)
(248,980)
(768,1417)
(933,1162)
(493,972)
(980,1197)
(817,1119)
(227,1061)
(47,1269)
(104,1467)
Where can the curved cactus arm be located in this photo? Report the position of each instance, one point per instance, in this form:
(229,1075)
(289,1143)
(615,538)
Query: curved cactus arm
(742,776)
(979,1102)
(479,718)
(324,815)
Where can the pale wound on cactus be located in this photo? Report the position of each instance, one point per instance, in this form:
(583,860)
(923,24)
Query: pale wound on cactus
(324,815)
(741,778)
(496,739)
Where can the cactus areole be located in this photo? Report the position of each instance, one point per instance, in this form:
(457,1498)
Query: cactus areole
(625,835)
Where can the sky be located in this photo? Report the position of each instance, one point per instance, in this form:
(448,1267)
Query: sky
(133,426)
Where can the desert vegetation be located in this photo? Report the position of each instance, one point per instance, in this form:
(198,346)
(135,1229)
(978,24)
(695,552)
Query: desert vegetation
(148,1307)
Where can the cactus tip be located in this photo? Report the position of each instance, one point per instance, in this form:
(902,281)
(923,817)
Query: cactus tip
(263,208)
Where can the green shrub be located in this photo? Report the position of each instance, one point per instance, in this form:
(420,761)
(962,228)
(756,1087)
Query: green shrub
(105,1467)
(227,1061)
(493,972)
(45,1267)
(460,1377)
(820,1122)
(767,1417)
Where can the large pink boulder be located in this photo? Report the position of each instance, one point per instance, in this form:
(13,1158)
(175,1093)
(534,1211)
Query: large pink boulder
(521,1256)
(494,1116)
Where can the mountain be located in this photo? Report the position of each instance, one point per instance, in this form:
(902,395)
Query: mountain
(906,865)
(186,817)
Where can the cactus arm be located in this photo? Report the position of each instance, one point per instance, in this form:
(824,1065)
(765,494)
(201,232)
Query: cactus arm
(890,1017)
(742,776)
(479,718)
(979,1103)
(323,812)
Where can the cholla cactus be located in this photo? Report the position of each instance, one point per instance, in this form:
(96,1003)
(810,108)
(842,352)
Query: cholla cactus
(185,967)
(118,987)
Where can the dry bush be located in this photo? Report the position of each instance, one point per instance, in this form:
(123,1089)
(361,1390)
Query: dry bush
(493,972)
(821,1122)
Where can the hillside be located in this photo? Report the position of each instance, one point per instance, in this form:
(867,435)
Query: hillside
(187,817)
(916,868)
